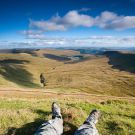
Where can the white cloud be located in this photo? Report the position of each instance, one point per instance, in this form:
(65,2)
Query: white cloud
(105,18)
(47,25)
(74,18)
(94,41)
(122,23)
(33,34)
(71,19)
(110,20)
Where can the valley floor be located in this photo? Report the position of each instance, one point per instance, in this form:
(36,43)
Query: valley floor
(91,74)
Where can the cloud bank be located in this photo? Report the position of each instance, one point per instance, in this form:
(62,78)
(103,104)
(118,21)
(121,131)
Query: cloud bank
(95,41)
(33,34)
(74,18)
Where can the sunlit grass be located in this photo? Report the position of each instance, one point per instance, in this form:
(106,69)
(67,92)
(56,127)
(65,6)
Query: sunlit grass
(23,116)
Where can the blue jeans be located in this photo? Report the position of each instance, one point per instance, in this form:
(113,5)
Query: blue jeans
(52,127)
(55,127)
(87,129)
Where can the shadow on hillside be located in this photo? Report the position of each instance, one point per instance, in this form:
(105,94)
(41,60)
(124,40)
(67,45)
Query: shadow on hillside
(56,57)
(67,59)
(121,61)
(27,129)
(30,128)
(13,61)
(27,51)
(13,71)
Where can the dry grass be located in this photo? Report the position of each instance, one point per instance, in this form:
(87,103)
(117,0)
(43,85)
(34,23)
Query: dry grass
(93,76)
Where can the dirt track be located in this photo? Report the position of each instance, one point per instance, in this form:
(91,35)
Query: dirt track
(44,94)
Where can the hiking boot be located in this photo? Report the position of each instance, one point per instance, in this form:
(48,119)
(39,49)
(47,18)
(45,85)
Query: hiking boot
(93,117)
(56,111)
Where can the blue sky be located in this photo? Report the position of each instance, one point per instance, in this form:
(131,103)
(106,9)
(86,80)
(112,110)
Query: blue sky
(39,22)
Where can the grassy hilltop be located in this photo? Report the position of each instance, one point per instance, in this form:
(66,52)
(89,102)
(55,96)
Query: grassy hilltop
(79,82)
(23,117)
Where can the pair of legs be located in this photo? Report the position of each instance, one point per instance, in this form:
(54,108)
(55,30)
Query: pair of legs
(55,126)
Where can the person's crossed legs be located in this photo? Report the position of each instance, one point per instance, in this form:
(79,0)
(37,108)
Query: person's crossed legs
(55,126)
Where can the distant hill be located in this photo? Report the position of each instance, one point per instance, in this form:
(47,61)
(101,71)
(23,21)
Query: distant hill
(122,60)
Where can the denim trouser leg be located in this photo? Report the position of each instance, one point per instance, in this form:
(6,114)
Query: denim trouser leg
(52,127)
(87,129)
